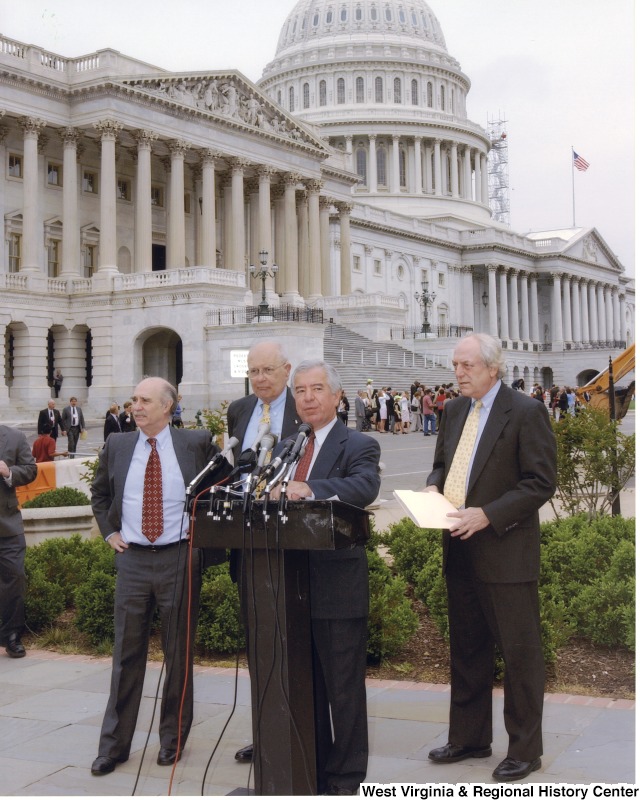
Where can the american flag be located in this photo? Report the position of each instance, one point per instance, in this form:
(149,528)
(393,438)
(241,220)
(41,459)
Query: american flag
(580,163)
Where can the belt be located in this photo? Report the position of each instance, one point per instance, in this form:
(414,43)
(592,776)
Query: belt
(154,548)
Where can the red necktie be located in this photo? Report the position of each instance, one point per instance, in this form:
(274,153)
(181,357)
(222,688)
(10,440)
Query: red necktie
(305,462)
(152,513)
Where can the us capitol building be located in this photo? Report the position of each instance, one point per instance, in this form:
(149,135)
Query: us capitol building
(144,212)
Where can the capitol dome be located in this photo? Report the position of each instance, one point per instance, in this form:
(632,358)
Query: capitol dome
(376,80)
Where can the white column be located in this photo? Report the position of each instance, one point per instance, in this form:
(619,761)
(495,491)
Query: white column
(484,178)
(478,178)
(325,245)
(524,306)
(279,239)
(395,163)
(567,328)
(143,238)
(291,236)
(208,220)
(302,208)
(455,181)
(108,226)
(593,312)
(315,270)
(608,311)
(493,299)
(237,214)
(504,305)
(602,332)
(623,321)
(429,170)
(534,321)
(514,322)
(4,267)
(373,164)
(437,166)
(584,304)
(70,229)
(575,311)
(467,173)
(31,223)
(417,162)
(616,314)
(176,244)
(467,296)
(556,310)
(344,210)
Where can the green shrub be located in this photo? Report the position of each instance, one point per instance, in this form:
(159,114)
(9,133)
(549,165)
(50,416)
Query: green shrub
(94,607)
(220,629)
(44,600)
(392,621)
(411,547)
(56,498)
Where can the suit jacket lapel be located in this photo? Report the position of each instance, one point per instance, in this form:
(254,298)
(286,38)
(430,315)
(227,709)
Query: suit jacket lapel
(330,451)
(290,413)
(184,454)
(498,418)
(126,445)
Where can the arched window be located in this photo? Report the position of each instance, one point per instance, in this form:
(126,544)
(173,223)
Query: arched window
(414,18)
(323,93)
(442,97)
(397,90)
(374,13)
(291,99)
(403,168)
(341,94)
(359,90)
(387,14)
(344,14)
(430,94)
(358,13)
(381,162)
(316,19)
(401,16)
(329,17)
(361,164)
(305,95)
(414,92)
(453,102)
(379,91)
(279,97)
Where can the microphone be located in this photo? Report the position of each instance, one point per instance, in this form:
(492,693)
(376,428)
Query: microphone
(267,443)
(248,458)
(215,462)
(277,462)
(304,431)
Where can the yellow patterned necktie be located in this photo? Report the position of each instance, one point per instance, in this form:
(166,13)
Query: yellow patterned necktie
(456,484)
(266,415)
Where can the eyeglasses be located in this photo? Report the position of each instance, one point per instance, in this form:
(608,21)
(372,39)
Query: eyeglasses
(266,371)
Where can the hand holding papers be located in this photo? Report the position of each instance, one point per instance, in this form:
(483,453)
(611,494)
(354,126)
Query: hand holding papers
(427,509)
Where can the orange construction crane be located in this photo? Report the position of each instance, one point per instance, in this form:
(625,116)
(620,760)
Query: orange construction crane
(596,392)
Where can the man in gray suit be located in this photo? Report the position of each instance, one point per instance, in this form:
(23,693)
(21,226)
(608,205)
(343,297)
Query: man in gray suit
(138,498)
(72,424)
(495,460)
(343,466)
(17,468)
(360,410)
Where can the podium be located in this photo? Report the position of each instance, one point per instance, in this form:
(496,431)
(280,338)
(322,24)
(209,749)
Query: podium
(275,575)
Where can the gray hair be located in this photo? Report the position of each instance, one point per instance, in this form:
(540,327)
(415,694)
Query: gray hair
(333,379)
(278,347)
(491,352)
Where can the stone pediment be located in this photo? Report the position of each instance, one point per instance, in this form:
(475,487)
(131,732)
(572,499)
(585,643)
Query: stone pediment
(590,246)
(230,97)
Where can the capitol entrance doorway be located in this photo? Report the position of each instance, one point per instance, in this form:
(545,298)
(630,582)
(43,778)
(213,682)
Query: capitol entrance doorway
(162,355)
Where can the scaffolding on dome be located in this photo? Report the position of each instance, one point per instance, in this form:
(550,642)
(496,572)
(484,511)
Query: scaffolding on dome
(498,170)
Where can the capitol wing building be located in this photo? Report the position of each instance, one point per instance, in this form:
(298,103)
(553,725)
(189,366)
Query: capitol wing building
(158,222)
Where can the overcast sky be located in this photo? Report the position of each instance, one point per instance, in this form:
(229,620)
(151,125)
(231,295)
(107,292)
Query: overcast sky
(559,71)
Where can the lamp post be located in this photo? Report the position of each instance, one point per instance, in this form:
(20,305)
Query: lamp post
(425,299)
(263,273)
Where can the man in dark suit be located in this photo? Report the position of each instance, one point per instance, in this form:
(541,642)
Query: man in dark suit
(344,465)
(51,415)
(17,468)
(111,421)
(496,461)
(268,370)
(138,500)
(72,424)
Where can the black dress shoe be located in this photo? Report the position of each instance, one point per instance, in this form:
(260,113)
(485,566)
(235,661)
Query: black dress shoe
(512,770)
(167,757)
(14,647)
(103,765)
(451,753)
(245,753)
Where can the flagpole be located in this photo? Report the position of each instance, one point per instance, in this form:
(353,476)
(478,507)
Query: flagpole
(573,188)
